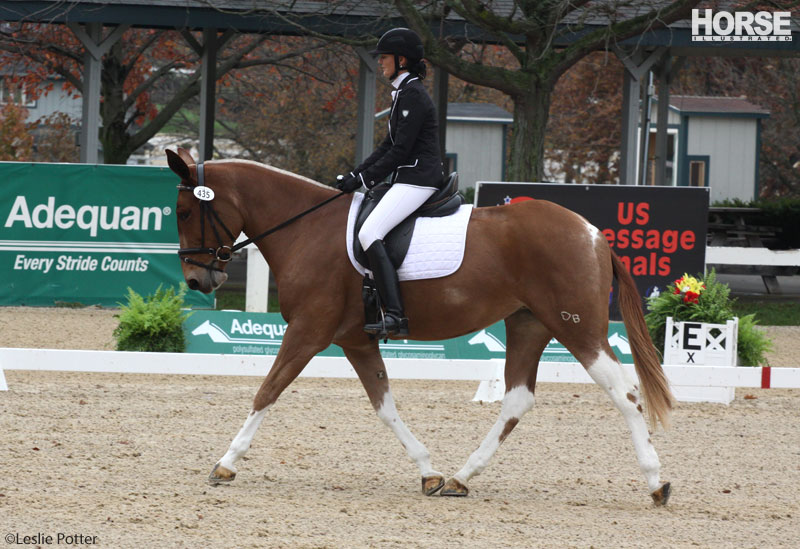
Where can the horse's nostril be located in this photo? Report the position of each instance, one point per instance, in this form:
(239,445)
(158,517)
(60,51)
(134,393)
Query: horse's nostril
(193,284)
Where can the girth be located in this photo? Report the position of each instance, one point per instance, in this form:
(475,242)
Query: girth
(443,202)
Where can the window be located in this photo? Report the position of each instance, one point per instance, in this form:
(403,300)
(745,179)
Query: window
(697,173)
(14,92)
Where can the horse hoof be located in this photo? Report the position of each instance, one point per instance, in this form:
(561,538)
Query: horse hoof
(661,496)
(453,488)
(220,475)
(432,484)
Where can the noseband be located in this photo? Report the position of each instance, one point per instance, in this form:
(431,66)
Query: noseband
(224,253)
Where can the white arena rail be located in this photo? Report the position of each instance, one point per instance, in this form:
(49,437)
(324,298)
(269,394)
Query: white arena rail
(489,371)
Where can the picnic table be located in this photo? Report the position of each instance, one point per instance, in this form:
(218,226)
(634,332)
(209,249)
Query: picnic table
(737,244)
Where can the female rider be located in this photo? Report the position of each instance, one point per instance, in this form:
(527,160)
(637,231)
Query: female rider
(410,154)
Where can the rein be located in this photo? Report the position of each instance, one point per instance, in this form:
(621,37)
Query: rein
(225,253)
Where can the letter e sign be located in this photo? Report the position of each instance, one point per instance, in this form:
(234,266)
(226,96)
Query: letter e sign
(693,336)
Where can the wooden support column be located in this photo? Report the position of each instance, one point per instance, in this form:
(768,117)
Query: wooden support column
(91,36)
(665,72)
(208,93)
(440,85)
(637,65)
(365,132)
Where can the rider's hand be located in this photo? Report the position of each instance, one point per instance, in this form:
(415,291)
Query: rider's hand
(348,183)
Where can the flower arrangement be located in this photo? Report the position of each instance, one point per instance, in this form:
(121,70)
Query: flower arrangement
(689,287)
(696,299)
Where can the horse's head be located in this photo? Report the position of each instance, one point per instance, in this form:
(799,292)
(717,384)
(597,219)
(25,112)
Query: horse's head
(208,221)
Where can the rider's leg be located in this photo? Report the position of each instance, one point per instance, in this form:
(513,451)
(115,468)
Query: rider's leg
(398,203)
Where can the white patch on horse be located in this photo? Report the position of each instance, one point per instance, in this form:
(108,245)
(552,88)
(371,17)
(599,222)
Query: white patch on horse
(415,449)
(609,374)
(516,403)
(594,233)
(241,444)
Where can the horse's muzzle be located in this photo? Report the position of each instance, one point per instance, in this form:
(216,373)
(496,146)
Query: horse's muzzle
(205,281)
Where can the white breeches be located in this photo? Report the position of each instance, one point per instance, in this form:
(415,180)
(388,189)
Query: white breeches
(398,203)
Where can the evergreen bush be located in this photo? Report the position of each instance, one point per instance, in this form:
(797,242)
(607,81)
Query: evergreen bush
(154,323)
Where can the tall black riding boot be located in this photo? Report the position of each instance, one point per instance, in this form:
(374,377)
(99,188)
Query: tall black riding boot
(394,321)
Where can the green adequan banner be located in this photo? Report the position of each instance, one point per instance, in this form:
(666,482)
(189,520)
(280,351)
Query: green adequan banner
(84,233)
(241,333)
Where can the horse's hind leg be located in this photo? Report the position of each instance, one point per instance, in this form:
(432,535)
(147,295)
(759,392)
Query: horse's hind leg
(369,366)
(298,347)
(608,373)
(526,338)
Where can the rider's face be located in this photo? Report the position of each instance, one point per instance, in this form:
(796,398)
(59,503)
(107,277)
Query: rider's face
(386,61)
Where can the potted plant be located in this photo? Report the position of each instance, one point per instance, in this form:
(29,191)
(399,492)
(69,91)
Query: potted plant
(708,301)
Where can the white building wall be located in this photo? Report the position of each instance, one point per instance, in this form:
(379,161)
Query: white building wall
(731,145)
(479,150)
(56,101)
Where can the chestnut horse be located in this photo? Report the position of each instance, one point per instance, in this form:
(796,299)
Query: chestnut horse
(540,267)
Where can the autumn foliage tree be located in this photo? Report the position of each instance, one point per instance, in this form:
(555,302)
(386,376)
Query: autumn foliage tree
(584,131)
(16,142)
(772,83)
(135,67)
(530,31)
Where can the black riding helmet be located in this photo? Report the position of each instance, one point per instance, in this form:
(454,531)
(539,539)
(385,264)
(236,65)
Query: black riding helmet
(400,41)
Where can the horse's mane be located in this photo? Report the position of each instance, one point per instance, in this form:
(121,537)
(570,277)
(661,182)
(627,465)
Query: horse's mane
(267,167)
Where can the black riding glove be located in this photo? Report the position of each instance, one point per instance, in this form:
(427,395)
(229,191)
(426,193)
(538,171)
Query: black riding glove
(348,183)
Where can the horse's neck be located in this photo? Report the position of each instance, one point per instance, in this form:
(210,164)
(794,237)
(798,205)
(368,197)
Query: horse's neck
(270,197)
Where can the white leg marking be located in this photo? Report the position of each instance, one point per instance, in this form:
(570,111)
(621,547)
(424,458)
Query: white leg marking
(609,374)
(516,403)
(416,450)
(241,444)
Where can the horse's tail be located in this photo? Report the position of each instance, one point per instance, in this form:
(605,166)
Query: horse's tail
(655,386)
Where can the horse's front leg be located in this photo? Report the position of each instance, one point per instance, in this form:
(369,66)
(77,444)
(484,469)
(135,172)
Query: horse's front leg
(300,344)
(369,366)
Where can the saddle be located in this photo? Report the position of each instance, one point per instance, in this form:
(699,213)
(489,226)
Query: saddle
(442,203)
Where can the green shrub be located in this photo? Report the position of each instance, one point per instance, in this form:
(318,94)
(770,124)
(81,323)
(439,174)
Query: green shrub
(707,301)
(154,323)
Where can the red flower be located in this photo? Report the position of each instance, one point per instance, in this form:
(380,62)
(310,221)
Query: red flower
(690,297)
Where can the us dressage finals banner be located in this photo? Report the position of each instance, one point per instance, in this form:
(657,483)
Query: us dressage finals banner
(84,233)
(659,233)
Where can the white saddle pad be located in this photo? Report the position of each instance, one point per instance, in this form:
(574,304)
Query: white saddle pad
(436,249)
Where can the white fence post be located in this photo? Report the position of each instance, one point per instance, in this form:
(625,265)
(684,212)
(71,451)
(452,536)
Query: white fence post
(3,384)
(257,296)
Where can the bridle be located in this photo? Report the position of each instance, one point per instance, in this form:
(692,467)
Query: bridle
(223,252)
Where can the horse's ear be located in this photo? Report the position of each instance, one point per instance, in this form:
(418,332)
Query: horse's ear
(178,164)
(187,156)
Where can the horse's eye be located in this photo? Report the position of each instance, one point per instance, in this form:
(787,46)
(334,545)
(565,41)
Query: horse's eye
(184,215)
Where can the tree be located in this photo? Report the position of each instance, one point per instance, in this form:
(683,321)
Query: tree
(16,143)
(56,138)
(530,32)
(135,66)
(770,83)
(583,130)
(297,115)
